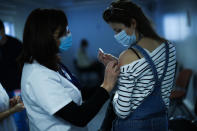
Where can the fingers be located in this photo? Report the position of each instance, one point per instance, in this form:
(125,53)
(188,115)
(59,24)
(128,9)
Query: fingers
(105,58)
(19,99)
(13,101)
(19,107)
(113,65)
(111,57)
(117,68)
(111,74)
(100,54)
(22,105)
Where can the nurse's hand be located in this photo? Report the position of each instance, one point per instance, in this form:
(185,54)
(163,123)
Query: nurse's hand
(111,74)
(105,58)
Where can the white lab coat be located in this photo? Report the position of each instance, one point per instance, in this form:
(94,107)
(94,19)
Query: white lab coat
(44,92)
(8,124)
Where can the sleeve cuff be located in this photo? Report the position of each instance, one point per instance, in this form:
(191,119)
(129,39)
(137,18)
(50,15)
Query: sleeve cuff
(57,108)
(104,92)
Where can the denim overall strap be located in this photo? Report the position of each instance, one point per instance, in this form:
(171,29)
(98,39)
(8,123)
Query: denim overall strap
(149,60)
(144,111)
(151,63)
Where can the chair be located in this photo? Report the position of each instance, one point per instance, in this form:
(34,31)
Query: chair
(195,93)
(180,91)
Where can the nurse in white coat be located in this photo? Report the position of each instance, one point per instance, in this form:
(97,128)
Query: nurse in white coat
(51,94)
(7,109)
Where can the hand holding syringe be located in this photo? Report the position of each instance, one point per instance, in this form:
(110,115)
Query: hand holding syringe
(105,58)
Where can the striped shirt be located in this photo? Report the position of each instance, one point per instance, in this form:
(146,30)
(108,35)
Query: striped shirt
(136,81)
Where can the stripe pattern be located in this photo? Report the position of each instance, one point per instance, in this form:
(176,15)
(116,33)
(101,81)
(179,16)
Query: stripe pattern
(136,81)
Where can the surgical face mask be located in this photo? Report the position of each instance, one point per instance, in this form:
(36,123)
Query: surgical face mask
(65,42)
(124,39)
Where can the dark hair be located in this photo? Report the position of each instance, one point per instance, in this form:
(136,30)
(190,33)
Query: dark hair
(123,11)
(84,43)
(38,37)
(1,24)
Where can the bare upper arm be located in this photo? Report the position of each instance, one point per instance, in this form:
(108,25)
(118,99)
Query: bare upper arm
(127,57)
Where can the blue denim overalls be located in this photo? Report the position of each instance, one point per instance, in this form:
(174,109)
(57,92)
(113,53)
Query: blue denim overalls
(151,115)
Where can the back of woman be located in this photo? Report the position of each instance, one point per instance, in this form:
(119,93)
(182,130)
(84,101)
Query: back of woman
(147,70)
(136,80)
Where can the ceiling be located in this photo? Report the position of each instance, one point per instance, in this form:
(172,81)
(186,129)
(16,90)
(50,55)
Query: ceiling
(57,2)
(9,3)
(10,6)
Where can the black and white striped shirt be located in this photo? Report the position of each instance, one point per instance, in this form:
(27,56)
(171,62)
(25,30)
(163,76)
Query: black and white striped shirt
(136,81)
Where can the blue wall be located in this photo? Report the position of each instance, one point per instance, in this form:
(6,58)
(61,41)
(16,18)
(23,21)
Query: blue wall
(86,22)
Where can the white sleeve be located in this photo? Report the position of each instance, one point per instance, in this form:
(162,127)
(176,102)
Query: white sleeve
(49,94)
(4,99)
(122,97)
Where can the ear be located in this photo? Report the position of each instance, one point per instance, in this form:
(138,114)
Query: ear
(133,23)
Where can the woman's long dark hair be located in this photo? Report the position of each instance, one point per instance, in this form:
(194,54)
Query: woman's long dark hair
(123,11)
(38,37)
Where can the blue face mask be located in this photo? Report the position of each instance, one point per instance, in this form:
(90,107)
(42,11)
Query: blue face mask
(124,39)
(65,42)
(1,37)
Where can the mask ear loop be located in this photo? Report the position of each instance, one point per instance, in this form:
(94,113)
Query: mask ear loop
(67,30)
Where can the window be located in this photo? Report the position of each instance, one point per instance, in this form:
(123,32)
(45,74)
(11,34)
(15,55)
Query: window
(176,26)
(9,28)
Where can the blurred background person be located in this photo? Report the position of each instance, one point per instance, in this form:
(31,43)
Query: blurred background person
(86,64)
(10,75)
(10,48)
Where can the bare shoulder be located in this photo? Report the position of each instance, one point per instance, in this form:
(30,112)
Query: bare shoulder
(126,57)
